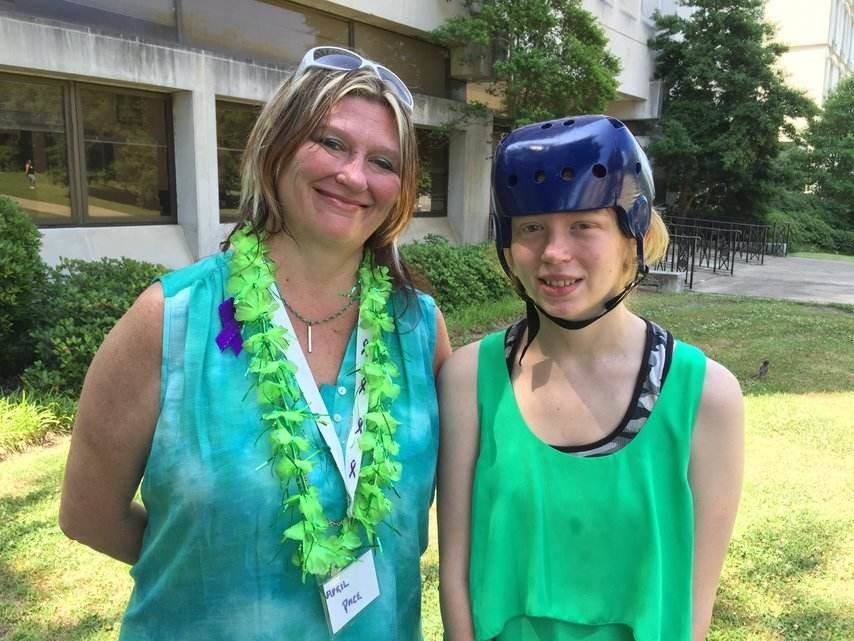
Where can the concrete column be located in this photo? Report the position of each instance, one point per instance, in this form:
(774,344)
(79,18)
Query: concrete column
(469,171)
(196,177)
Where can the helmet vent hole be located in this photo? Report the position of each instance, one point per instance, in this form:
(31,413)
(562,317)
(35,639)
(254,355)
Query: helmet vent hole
(616,124)
(599,170)
(512,180)
(567,174)
(540,176)
(637,168)
(547,125)
(568,123)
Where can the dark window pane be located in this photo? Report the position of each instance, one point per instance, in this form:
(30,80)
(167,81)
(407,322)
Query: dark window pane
(233,124)
(152,19)
(421,65)
(33,153)
(126,154)
(260,31)
(433,176)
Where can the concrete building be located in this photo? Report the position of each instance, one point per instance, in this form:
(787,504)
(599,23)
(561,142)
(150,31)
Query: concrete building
(819,35)
(133,113)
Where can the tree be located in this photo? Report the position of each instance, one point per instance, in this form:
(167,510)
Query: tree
(552,56)
(725,109)
(831,138)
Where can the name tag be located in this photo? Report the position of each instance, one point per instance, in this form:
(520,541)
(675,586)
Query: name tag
(350,591)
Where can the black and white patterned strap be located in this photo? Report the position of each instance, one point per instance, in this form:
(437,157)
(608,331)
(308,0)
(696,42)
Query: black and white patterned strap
(658,353)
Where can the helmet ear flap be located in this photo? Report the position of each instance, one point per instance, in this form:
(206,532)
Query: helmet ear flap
(639,216)
(634,223)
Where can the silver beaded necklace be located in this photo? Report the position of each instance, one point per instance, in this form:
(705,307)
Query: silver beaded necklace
(351,298)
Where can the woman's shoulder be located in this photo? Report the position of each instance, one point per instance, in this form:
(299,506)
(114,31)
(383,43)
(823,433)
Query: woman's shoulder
(721,399)
(721,390)
(460,369)
(413,308)
(214,266)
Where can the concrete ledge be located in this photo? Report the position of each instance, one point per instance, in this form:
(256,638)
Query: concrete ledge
(671,282)
(164,244)
(420,227)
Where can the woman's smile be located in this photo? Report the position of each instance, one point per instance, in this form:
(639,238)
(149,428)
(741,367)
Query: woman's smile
(341,201)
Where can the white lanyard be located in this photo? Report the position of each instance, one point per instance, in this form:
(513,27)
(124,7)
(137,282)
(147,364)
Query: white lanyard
(348,462)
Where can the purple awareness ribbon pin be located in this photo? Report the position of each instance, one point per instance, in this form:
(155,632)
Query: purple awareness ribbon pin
(230,334)
(352,469)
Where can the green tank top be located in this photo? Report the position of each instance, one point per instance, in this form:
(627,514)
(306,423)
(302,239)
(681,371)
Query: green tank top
(566,547)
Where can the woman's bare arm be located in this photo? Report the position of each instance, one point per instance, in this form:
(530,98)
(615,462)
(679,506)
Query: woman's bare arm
(443,343)
(112,434)
(716,470)
(458,448)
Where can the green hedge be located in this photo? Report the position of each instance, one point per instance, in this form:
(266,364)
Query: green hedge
(809,230)
(22,281)
(86,300)
(460,275)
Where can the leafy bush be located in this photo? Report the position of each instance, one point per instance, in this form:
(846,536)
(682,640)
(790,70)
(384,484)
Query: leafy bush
(459,274)
(27,420)
(22,280)
(87,298)
(809,230)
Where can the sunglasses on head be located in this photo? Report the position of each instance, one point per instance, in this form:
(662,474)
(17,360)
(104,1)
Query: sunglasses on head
(339,59)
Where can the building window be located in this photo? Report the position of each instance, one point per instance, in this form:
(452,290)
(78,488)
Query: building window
(151,20)
(88,155)
(234,122)
(433,177)
(421,65)
(126,155)
(34,149)
(262,31)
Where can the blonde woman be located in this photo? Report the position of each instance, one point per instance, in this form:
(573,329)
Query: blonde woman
(277,400)
(590,464)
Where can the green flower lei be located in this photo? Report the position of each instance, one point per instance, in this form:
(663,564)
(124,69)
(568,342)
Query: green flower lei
(286,414)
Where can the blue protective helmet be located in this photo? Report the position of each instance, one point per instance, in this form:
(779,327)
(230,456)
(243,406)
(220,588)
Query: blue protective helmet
(572,164)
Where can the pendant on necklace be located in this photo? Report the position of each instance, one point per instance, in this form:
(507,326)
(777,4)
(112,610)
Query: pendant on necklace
(309,336)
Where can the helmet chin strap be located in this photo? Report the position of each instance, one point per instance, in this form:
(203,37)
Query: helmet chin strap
(534,318)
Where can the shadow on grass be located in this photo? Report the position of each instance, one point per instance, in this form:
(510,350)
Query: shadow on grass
(28,528)
(81,629)
(766,591)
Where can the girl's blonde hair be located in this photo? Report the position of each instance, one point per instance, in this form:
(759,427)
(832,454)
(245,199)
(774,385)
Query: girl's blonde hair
(655,243)
(298,108)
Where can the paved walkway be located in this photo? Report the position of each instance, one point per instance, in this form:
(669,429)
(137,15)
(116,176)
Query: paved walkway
(802,279)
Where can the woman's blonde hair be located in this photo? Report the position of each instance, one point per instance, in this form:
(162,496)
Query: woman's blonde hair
(655,243)
(298,108)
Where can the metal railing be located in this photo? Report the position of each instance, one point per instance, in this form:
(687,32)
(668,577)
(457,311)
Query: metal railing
(715,246)
(752,243)
(680,257)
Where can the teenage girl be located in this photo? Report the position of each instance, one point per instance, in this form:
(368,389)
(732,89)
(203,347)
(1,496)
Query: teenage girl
(590,464)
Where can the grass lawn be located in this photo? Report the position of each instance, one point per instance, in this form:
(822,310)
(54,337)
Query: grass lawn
(790,572)
(56,206)
(823,256)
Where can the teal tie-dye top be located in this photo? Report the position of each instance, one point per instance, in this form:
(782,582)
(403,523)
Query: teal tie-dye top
(212,565)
